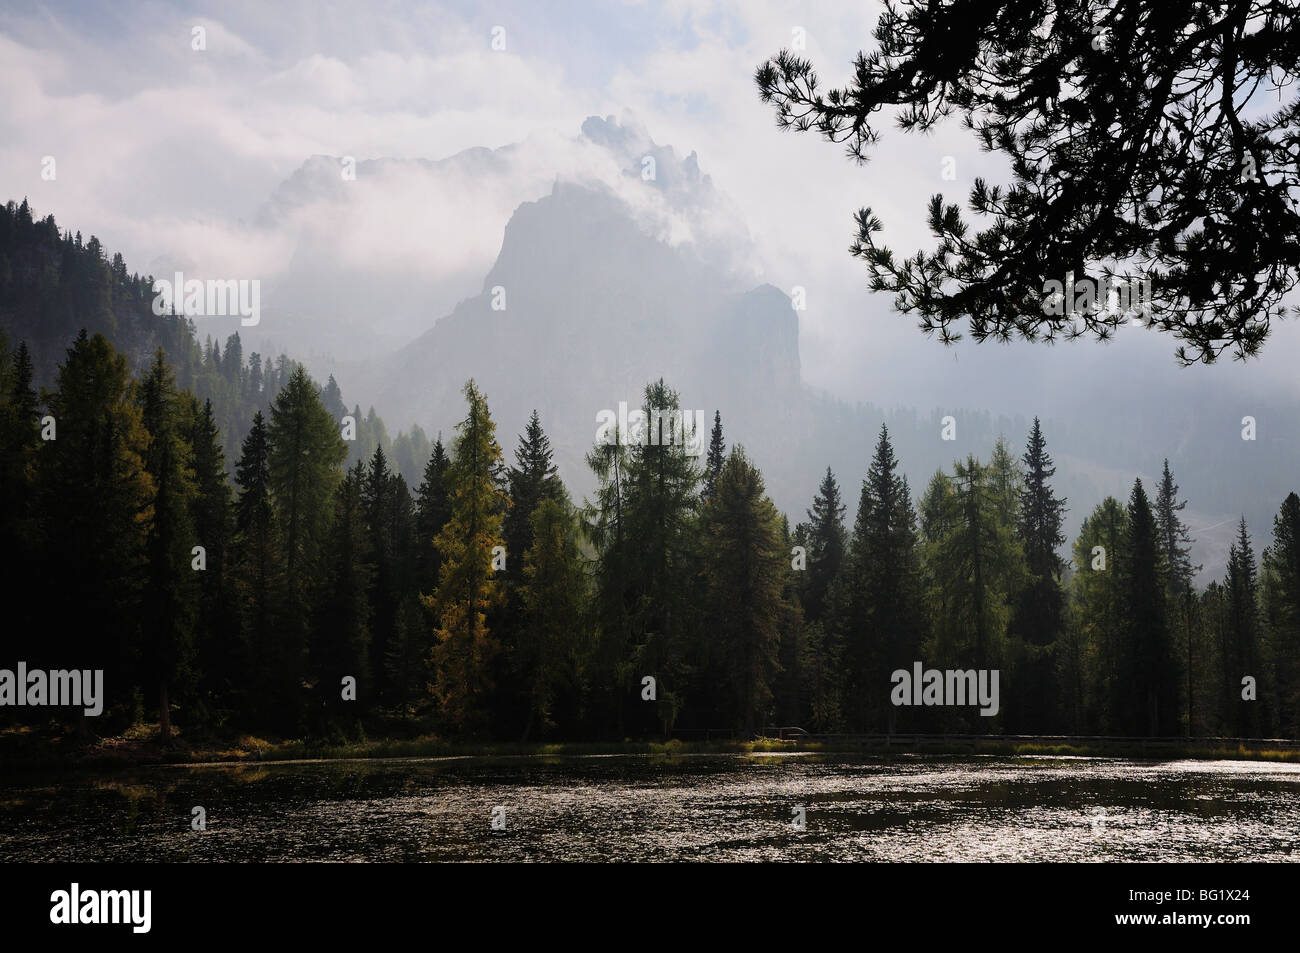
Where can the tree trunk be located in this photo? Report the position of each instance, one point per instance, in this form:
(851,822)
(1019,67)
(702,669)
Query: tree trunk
(164,714)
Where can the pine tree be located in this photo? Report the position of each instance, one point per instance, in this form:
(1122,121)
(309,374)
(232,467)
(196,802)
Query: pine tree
(257,566)
(341,644)
(715,460)
(465,648)
(1148,679)
(1282,598)
(332,398)
(1006,480)
(385,519)
(746,583)
(95,494)
(661,509)
(20,523)
(826,544)
(432,511)
(306,460)
(532,480)
(171,587)
(553,597)
(1241,652)
(879,599)
(1175,543)
(973,569)
(606,525)
(212,514)
(1040,605)
(1090,673)
(1175,546)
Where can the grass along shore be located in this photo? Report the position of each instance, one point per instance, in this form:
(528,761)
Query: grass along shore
(141,745)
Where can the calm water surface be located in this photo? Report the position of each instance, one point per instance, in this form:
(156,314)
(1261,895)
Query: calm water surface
(684,808)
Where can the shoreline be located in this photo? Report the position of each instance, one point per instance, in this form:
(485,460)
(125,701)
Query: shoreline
(25,750)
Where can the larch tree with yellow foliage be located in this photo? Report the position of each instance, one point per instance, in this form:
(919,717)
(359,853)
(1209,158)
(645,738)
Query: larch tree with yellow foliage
(468,587)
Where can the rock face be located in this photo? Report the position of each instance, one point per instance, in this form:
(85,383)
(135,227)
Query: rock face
(580,311)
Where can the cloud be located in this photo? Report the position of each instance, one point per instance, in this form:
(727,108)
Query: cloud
(166,152)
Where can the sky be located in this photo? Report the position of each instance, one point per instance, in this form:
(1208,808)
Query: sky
(164,150)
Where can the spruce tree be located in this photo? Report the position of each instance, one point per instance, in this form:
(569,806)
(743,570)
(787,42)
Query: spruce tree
(974,568)
(1148,681)
(1175,546)
(747,579)
(1090,677)
(661,508)
(380,509)
(257,565)
(341,640)
(1241,652)
(879,605)
(95,493)
(432,511)
(714,461)
(171,586)
(1281,567)
(826,544)
(606,525)
(531,480)
(1040,605)
(212,514)
(1175,543)
(547,652)
(306,460)
(20,523)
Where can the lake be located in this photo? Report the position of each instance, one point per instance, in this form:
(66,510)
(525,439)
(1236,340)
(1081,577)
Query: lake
(636,808)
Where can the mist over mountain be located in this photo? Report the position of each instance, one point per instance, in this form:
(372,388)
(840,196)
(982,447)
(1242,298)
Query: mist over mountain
(615,261)
(599,296)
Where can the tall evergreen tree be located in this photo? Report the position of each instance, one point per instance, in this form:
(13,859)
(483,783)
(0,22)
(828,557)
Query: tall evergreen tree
(171,587)
(1281,570)
(1175,546)
(1090,662)
(746,587)
(879,598)
(20,522)
(1282,600)
(306,460)
(213,517)
(531,480)
(661,507)
(341,643)
(606,524)
(95,497)
(1040,605)
(386,517)
(1148,678)
(432,511)
(713,463)
(1241,652)
(257,566)
(973,569)
(548,651)
(468,588)
(826,545)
